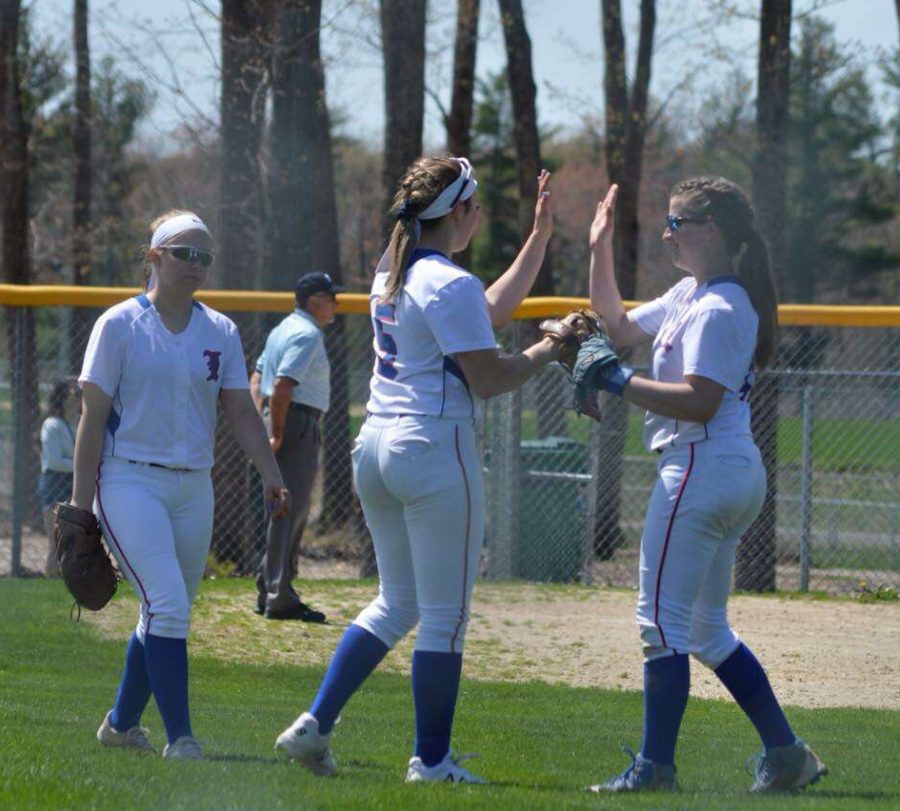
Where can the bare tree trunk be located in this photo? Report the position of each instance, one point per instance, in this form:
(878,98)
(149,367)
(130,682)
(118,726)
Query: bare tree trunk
(756,555)
(551,409)
(403,44)
(81,148)
(459,122)
(626,127)
(17,270)
(239,533)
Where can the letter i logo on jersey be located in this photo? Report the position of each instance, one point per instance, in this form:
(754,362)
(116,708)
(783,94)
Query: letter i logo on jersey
(212,363)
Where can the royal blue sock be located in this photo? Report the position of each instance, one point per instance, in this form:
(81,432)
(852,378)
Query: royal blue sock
(435,685)
(134,689)
(667,682)
(167,668)
(746,680)
(358,654)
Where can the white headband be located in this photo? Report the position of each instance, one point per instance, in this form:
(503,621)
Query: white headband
(176,225)
(460,189)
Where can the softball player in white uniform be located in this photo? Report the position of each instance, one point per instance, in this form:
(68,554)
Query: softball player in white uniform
(416,466)
(155,368)
(710,332)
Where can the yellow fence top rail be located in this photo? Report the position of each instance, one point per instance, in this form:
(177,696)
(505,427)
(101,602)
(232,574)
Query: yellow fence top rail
(789,315)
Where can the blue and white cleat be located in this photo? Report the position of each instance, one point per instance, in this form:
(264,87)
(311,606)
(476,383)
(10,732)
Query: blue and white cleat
(641,775)
(786,768)
(303,742)
(447,771)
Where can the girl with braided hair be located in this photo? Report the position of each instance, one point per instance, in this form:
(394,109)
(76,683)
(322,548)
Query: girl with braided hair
(711,333)
(416,467)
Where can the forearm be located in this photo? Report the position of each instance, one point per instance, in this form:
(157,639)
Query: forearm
(279,403)
(679,401)
(256,392)
(88,450)
(511,371)
(604,291)
(250,433)
(507,293)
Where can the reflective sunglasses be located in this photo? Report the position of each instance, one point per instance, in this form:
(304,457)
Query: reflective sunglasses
(675,223)
(188,254)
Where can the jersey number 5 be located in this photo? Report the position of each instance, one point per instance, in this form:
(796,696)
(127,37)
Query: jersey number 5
(385,343)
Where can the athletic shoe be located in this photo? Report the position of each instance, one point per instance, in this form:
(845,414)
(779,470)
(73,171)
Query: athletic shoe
(301,612)
(184,748)
(134,738)
(302,742)
(641,775)
(447,771)
(786,768)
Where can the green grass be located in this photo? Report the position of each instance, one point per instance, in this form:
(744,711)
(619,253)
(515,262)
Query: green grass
(540,744)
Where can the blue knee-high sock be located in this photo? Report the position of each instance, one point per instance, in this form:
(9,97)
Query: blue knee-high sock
(667,682)
(134,689)
(167,667)
(435,685)
(746,680)
(358,654)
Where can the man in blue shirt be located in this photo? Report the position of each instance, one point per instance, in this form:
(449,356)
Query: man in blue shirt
(291,387)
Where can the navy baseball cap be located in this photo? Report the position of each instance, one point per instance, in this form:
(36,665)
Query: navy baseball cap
(311,283)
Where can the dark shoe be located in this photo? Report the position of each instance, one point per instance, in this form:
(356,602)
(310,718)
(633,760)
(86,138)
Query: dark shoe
(301,612)
(260,604)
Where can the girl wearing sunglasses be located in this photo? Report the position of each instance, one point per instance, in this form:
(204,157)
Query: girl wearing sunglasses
(711,333)
(156,367)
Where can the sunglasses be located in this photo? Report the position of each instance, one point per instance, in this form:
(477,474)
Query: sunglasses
(675,223)
(187,254)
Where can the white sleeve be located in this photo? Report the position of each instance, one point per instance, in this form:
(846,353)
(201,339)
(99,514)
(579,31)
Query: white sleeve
(715,348)
(650,315)
(458,317)
(234,366)
(104,355)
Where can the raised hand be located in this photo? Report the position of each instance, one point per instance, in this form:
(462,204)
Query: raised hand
(543,208)
(604,223)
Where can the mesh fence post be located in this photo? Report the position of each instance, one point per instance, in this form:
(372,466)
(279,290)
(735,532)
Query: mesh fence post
(505,476)
(806,486)
(18,484)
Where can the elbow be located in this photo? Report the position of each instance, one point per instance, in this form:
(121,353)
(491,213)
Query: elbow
(484,389)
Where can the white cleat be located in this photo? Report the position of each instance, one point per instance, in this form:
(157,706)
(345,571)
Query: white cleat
(134,738)
(302,742)
(184,748)
(447,771)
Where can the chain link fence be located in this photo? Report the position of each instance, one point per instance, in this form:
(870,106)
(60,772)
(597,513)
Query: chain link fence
(566,496)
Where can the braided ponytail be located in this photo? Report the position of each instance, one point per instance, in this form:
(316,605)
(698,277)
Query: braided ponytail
(419,187)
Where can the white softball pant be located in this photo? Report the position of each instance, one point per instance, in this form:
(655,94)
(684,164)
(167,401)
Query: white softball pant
(707,495)
(419,480)
(158,524)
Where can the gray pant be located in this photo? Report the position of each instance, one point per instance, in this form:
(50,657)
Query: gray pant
(298,460)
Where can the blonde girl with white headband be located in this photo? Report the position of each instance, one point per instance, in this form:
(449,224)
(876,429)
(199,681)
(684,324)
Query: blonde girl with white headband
(155,369)
(416,467)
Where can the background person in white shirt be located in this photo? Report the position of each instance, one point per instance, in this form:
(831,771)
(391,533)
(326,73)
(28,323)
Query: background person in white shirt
(155,369)
(292,390)
(416,467)
(711,333)
(57,455)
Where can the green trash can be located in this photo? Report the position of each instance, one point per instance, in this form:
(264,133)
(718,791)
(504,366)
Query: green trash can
(552,510)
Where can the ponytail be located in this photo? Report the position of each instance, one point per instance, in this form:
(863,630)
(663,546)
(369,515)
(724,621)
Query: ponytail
(419,187)
(754,269)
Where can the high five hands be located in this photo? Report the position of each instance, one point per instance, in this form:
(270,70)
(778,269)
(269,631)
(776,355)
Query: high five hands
(604,223)
(543,208)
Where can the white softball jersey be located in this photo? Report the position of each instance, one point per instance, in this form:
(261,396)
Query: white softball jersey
(441,310)
(707,330)
(164,387)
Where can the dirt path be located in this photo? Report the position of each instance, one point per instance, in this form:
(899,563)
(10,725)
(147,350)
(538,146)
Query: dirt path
(818,653)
